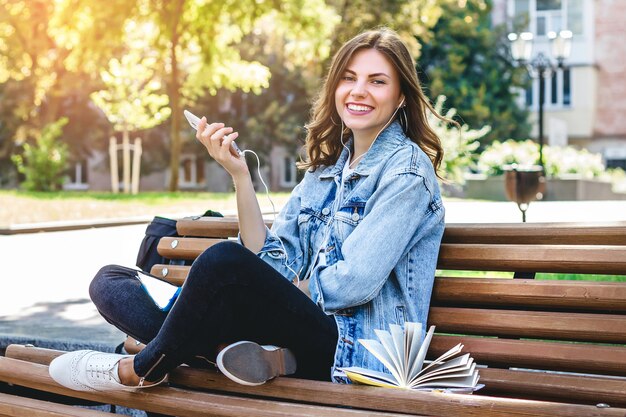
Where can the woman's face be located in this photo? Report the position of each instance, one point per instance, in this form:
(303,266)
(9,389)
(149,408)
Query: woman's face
(368,93)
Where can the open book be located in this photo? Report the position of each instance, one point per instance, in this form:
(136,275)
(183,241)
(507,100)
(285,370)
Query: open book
(403,353)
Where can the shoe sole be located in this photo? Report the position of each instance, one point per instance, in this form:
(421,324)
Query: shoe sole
(248,363)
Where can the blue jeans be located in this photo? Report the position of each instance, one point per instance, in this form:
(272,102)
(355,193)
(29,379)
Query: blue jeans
(229,295)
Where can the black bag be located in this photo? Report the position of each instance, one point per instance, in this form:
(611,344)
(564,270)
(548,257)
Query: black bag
(158,228)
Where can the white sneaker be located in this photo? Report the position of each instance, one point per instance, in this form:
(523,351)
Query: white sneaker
(89,370)
(249,363)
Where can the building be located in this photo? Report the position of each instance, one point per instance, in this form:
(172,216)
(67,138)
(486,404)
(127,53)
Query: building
(585,102)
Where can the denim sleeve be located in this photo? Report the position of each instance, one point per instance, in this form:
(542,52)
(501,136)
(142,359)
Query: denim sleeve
(401,210)
(282,248)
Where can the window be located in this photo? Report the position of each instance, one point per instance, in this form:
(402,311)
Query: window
(616,163)
(543,16)
(287,171)
(191,172)
(567,94)
(521,15)
(553,89)
(557,91)
(77,176)
(548,5)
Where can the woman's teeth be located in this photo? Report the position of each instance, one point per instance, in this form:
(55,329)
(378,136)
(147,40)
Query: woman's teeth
(356,107)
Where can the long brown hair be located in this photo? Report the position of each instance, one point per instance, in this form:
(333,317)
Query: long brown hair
(324,129)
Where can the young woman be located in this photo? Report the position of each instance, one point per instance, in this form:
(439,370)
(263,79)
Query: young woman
(353,250)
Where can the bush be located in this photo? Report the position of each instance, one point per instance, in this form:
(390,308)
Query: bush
(558,161)
(44,162)
(458,144)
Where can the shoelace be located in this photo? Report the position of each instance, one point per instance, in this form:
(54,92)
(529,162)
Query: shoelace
(97,370)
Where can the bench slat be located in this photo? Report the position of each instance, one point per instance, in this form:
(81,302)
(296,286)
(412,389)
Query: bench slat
(184,248)
(601,233)
(608,328)
(552,295)
(581,295)
(596,259)
(14,406)
(217,227)
(544,258)
(399,401)
(174,274)
(173,401)
(548,386)
(555,356)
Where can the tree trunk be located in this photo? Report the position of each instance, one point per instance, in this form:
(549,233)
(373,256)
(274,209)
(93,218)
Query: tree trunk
(174,93)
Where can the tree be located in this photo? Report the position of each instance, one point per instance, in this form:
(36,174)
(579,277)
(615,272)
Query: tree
(276,116)
(49,46)
(466,60)
(50,52)
(198,42)
(132,100)
(410,18)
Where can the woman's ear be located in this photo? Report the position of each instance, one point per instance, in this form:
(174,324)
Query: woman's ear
(401,103)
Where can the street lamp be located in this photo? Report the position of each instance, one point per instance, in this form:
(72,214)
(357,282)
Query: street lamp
(541,66)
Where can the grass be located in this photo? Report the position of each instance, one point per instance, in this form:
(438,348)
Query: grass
(19,207)
(540,276)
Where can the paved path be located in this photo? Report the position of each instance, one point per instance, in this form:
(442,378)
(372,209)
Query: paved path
(44,283)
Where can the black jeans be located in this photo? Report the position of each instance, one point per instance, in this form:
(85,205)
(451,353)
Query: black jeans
(229,295)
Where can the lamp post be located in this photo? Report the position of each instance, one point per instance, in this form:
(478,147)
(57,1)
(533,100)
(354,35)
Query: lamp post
(541,65)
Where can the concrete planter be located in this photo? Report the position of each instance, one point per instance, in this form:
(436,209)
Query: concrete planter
(557,189)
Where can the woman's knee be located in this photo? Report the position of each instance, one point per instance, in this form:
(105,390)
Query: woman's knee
(220,262)
(223,255)
(106,279)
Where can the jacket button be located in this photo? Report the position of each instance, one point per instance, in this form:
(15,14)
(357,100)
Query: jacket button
(355,217)
(325,211)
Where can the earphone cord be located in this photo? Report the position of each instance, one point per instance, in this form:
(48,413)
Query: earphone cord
(371,144)
(267,194)
(336,203)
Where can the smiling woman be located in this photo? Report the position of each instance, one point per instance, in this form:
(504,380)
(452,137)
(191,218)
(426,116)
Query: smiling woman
(353,249)
(367,98)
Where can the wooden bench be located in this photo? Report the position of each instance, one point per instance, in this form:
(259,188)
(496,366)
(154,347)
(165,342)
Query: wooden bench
(549,347)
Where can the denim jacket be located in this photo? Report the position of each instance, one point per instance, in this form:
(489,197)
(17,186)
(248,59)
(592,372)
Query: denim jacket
(381,241)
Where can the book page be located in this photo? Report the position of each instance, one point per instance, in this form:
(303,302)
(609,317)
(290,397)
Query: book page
(458,362)
(414,341)
(459,369)
(398,335)
(418,363)
(382,354)
(370,377)
(468,381)
(386,339)
(447,355)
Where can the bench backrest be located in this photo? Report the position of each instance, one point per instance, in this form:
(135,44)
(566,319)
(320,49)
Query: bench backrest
(578,327)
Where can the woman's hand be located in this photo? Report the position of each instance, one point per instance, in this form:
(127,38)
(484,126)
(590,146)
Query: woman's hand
(216,138)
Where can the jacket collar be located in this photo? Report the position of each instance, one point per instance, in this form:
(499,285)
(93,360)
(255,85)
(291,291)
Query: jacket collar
(388,140)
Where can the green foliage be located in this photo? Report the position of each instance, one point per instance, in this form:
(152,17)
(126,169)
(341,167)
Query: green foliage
(132,99)
(44,163)
(47,46)
(558,161)
(466,59)
(200,40)
(50,54)
(410,18)
(459,145)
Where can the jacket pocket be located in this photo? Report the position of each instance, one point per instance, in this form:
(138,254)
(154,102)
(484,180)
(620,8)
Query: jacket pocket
(400,315)
(348,218)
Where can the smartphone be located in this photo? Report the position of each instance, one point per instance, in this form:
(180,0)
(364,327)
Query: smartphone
(195,120)
(162,292)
